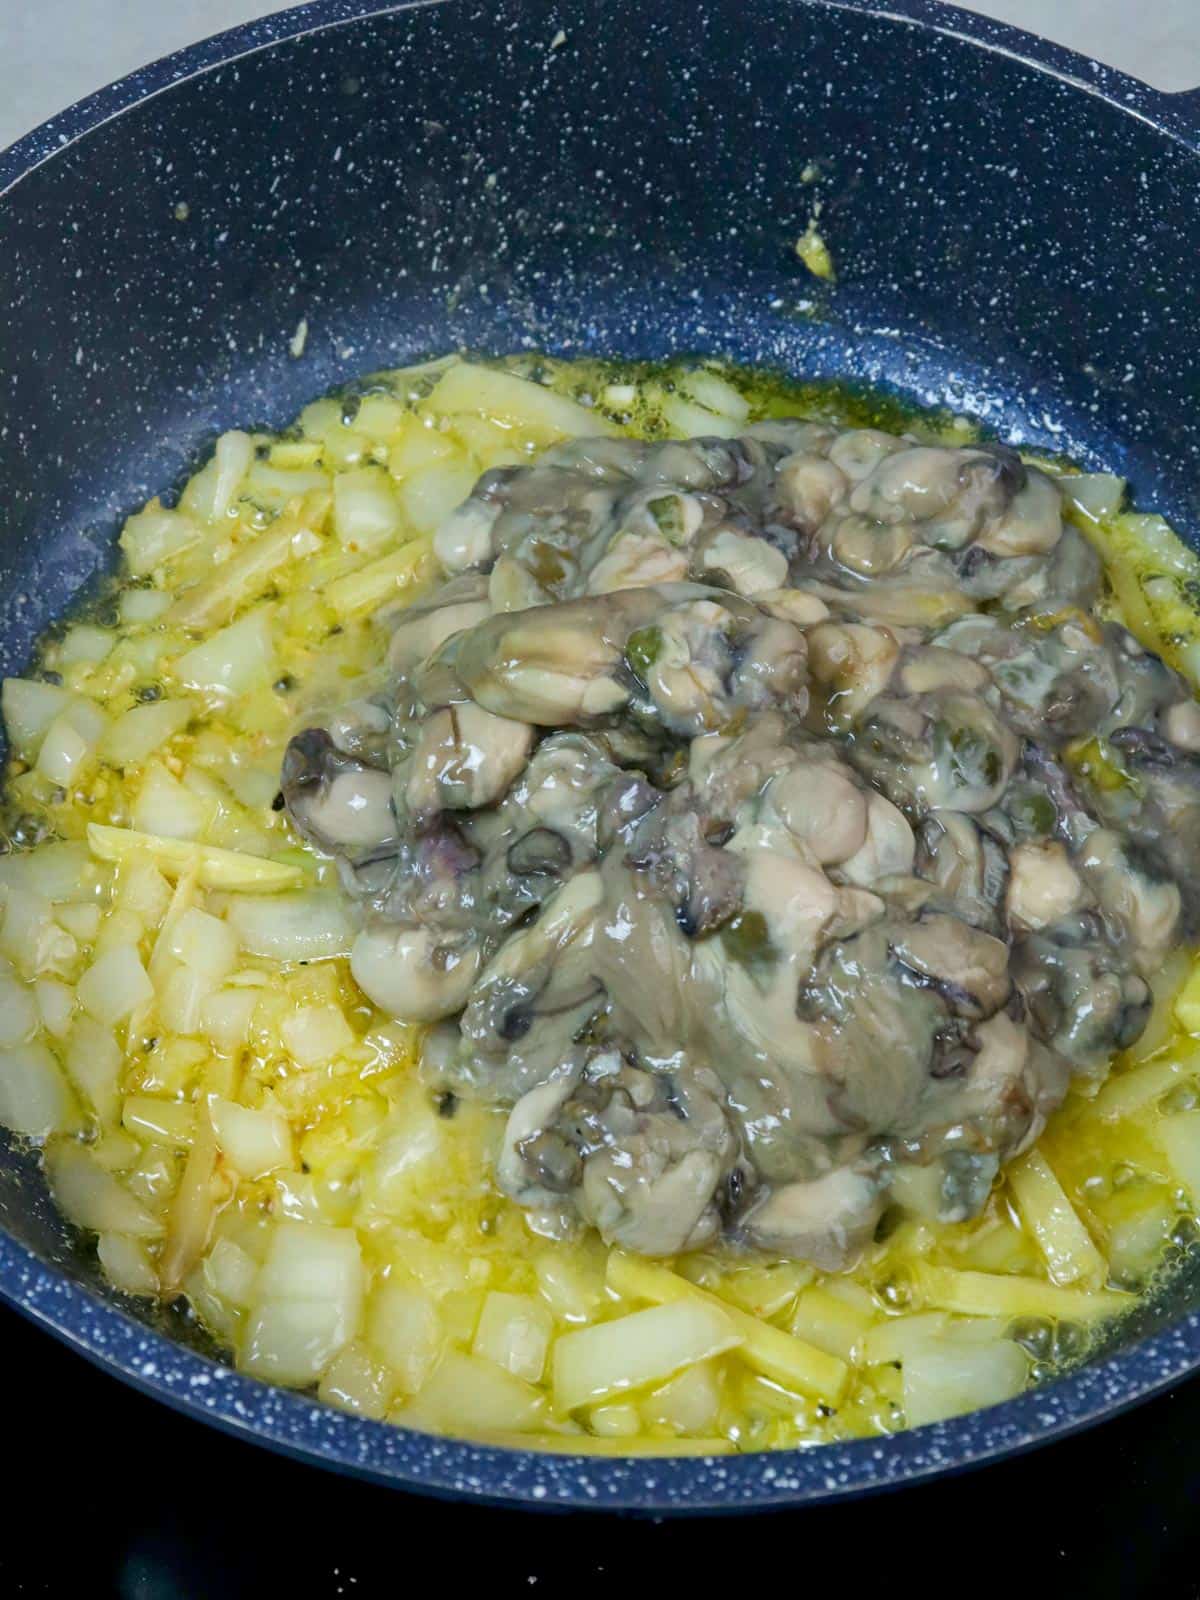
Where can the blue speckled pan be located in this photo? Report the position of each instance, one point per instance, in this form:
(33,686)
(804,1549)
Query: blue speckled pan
(1016,232)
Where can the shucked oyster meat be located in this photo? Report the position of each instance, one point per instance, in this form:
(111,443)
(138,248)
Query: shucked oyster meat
(769,823)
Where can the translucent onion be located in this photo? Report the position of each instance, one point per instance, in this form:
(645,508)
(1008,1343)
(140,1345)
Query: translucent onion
(34,1097)
(292,927)
(115,985)
(93,1198)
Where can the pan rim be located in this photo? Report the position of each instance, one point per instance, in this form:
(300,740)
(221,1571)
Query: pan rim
(292,1424)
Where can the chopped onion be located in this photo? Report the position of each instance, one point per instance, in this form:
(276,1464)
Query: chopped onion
(429,496)
(404,1331)
(644,1347)
(115,985)
(93,1198)
(1098,495)
(81,921)
(94,1060)
(34,1097)
(29,709)
(84,643)
(57,870)
(707,389)
(143,605)
(944,1382)
(307,1261)
(31,938)
(142,889)
(231,1273)
(69,749)
(127,1263)
(292,927)
(366,514)
(169,1122)
(204,943)
(18,1012)
(469,1396)
(212,491)
(164,807)
(225,1018)
(141,731)
(56,1005)
(182,994)
(522,404)
(214,868)
(356,1382)
(291,1341)
(234,659)
(514,1331)
(254,1142)
(316,1034)
(154,535)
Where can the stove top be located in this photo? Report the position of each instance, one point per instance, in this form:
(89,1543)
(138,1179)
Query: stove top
(105,1493)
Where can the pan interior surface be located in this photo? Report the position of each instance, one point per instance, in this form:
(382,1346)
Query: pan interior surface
(592,178)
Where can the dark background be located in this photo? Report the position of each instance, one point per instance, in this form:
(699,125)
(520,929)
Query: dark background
(105,1493)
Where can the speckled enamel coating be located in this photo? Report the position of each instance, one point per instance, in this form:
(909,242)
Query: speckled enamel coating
(1015,231)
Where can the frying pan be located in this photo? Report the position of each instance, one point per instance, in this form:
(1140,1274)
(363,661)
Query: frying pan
(1015,230)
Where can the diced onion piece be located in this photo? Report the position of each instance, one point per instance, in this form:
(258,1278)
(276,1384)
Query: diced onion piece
(291,1341)
(169,1122)
(403,1330)
(231,1273)
(81,921)
(356,1382)
(1068,1249)
(366,514)
(956,1378)
(307,1261)
(191,1214)
(18,1012)
(1187,1002)
(119,927)
(212,491)
(225,1017)
(233,660)
(69,749)
(142,889)
(514,1331)
(572,1291)
(687,1404)
(115,985)
(164,807)
(84,643)
(204,943)
(31,938)
(777,1355)
(383,580)
(57,869)
(154,535)
(985,1294)
(823,1320)
(94,1060)
(292,927)
(429,496)
(29,709)
(215,868)
(687,420)
(142,605)
(142,730)
(466,1396)
(633,1351)
(516,401)
(708,389)
(93,1198)
(1097,495)
(316,1034)
(248,573)
(116,1151)
(897,1338)
(56,1006)
(1132,1091)
(127,1263)
(1179,1136)
(254,1142)
(34,1097)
